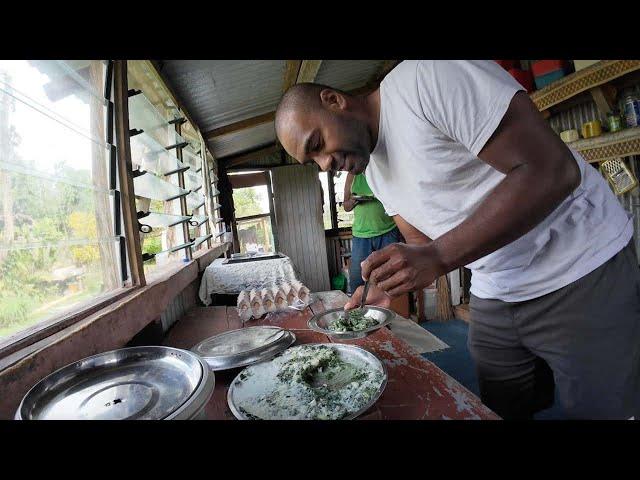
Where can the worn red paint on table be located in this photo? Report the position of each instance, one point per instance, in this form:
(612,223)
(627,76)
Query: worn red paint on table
(416,388)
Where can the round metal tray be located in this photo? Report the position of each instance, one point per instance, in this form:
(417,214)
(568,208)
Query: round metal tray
(320,322)
(136,383)
(345,352)
(243,346)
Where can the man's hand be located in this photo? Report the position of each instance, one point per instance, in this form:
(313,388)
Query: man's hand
(375,297)
(400,268)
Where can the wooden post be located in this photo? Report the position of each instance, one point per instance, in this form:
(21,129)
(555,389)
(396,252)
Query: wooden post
(128,200)
(272,211)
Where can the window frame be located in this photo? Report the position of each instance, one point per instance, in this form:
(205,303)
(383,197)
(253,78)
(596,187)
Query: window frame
(125,220)
(271,214)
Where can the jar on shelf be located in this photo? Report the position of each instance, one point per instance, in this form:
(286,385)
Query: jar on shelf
(631,111)
(614,121)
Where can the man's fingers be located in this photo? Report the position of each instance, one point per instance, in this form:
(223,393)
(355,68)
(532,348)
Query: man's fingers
(400,278)
(373,261)
(354,300)
(400,290)
(394,264)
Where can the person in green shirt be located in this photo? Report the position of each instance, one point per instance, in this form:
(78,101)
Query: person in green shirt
(372,228)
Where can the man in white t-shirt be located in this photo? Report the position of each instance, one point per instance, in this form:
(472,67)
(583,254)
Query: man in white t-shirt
(473,175)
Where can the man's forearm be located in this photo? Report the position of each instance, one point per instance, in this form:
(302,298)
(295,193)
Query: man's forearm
(522,200)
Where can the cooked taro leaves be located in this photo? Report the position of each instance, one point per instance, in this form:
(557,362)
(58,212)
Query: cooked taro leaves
(352,321)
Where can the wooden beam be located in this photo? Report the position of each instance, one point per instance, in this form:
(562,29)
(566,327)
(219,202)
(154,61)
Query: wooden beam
(290,74)
(374,81)
(308,71)
(604,96)
(233,161)
(241,125)
(386,67)
(128,200)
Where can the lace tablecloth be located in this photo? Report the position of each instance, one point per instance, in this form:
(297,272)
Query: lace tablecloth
(235,277)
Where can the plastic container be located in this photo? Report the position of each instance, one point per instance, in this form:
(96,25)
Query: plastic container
(548,78)
(544,67)
(631,112)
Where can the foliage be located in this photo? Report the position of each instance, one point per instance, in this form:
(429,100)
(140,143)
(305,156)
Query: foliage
(152,244)
(247,202)
(14,307)
(83,225)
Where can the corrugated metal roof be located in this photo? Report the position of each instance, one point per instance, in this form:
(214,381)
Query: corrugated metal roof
(347,74)
(243,140)
(220,92)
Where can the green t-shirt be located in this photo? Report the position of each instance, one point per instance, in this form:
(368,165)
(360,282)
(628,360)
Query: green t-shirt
(369,219)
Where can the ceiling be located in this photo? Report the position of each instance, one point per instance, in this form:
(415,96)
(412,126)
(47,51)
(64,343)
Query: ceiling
(233,101)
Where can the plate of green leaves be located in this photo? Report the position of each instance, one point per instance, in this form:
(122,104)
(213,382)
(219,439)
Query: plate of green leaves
(356,323)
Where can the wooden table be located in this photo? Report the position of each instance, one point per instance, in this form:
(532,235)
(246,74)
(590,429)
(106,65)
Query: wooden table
(416,388)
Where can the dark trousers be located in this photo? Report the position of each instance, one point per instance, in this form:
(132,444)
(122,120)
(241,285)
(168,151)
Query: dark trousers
(361,248)
(583,339)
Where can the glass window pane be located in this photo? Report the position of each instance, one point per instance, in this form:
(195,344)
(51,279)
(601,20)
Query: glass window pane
(42,282)
(255,235)
(57,244)
(150,156)
(251,201)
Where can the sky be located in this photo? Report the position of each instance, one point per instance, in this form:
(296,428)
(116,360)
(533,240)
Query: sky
(44,140)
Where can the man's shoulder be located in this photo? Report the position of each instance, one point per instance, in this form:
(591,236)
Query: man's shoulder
(405,70)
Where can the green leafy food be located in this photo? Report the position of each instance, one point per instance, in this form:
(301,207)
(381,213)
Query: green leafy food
(352,321)
(313,382)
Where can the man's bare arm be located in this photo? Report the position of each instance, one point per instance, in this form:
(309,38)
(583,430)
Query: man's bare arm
(410,233)
(348,203)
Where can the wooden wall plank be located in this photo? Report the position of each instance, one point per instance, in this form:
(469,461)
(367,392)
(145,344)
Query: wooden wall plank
(300,228)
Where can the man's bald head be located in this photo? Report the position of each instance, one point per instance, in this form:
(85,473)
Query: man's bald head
(317,123)
(302,98)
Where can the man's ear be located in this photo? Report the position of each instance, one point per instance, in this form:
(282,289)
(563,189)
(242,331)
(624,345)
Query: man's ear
(332,100)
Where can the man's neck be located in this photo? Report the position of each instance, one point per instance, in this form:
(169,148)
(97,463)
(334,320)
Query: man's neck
(372,107)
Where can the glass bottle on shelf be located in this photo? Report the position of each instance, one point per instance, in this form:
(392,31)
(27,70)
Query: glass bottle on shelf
(631,107)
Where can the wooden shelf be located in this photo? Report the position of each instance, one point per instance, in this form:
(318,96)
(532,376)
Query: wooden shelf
(609,145)
(581,81)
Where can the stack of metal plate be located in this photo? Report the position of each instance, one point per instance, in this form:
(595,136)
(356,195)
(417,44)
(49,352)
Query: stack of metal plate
(244,346)
(137,383)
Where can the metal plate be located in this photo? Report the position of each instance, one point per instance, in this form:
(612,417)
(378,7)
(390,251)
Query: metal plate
(346,353)
(244,346)
(151,383)
(363,198)
(320,322)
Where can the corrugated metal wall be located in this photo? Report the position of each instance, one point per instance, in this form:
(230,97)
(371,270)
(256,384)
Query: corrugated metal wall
(575,117)
(296,191)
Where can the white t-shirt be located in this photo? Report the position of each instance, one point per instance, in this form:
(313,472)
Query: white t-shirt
(435,117)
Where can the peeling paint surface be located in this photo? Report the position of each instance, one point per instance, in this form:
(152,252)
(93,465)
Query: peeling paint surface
(416,389)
